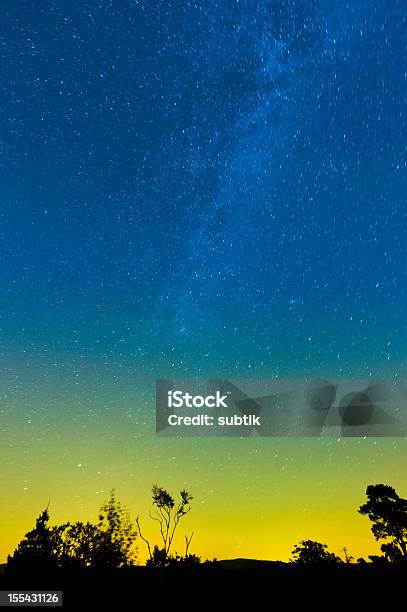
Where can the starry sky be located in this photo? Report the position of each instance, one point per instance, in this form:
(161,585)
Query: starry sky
(197,189)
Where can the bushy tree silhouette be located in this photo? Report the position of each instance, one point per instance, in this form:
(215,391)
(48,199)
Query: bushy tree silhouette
(388,513)
(40,549)
(311,553)
(116,535)
(391,552)
(80,545)
(108,544)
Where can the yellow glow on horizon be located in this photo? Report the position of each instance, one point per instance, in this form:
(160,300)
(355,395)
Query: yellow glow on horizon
(252,497)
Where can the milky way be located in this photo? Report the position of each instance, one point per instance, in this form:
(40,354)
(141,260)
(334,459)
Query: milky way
(195,188)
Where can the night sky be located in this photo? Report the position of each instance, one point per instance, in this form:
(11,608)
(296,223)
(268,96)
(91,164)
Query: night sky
(197,189)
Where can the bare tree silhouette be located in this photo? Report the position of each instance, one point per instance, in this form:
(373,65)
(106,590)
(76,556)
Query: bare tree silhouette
(348,557)
(167,513)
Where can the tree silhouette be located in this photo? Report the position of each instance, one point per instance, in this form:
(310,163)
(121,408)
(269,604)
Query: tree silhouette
(80,545)
(108,544)
(116,534)
(391,552)
(168,514)
(40,549)
(309,552)
(388,513)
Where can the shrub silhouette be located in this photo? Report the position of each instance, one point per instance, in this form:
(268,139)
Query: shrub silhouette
(160,558)
(311,553)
